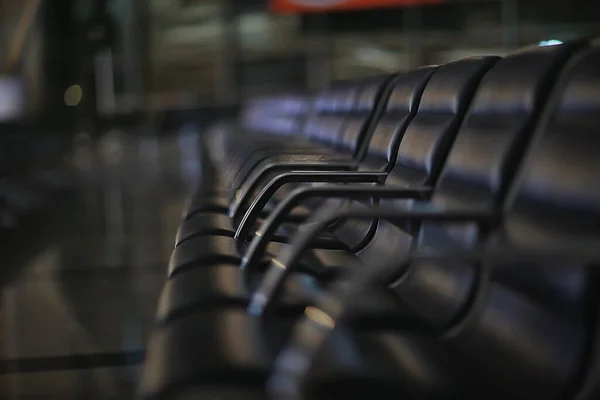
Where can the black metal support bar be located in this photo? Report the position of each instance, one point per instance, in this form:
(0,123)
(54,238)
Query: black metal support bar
(253,180)
(261,239)
(284,264)
(259,203)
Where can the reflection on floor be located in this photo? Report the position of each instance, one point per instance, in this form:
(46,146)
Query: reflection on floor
(78,296)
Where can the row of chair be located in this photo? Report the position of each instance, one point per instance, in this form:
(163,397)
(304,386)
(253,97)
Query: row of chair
(430,234)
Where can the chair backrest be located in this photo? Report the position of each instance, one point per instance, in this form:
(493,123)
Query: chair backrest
(369,105)
(498,127)
(559,190)
(429,136)
(398,108)
(556,201)
(343,117)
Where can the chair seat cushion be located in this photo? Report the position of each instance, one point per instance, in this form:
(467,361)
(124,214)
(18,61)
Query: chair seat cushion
(204,224)
(229,347)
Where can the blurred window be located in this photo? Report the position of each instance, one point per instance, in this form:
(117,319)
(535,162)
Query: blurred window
(203,47)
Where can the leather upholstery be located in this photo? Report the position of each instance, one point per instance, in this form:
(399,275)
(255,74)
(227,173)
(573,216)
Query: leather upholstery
(430,133)
(365,113)
(397,112)
(427,139)
(498,126)
(561,178)
(440,291)
(517,134)
(557,203)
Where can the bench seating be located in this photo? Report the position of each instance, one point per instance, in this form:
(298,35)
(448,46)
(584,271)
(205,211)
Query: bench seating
(426,235)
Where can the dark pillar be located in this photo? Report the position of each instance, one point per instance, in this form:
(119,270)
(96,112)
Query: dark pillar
(60,60)
(230,78)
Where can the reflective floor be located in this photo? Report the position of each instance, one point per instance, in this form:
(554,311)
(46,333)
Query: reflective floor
(78,292)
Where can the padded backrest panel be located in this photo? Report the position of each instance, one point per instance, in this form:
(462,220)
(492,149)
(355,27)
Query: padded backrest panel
(498,127)
(400,106)
(493,138)
(555,202)
(430,133)
(358,128)
(558,194)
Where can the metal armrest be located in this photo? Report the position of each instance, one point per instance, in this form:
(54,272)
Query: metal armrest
(280,267)
(259,203)
(255,178)
(356,192)
(241,169)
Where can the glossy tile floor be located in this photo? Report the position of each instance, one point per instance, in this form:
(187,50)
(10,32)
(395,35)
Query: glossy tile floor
(78,296)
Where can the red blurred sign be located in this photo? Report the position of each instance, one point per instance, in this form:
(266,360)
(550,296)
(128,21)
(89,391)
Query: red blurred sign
(300,6)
